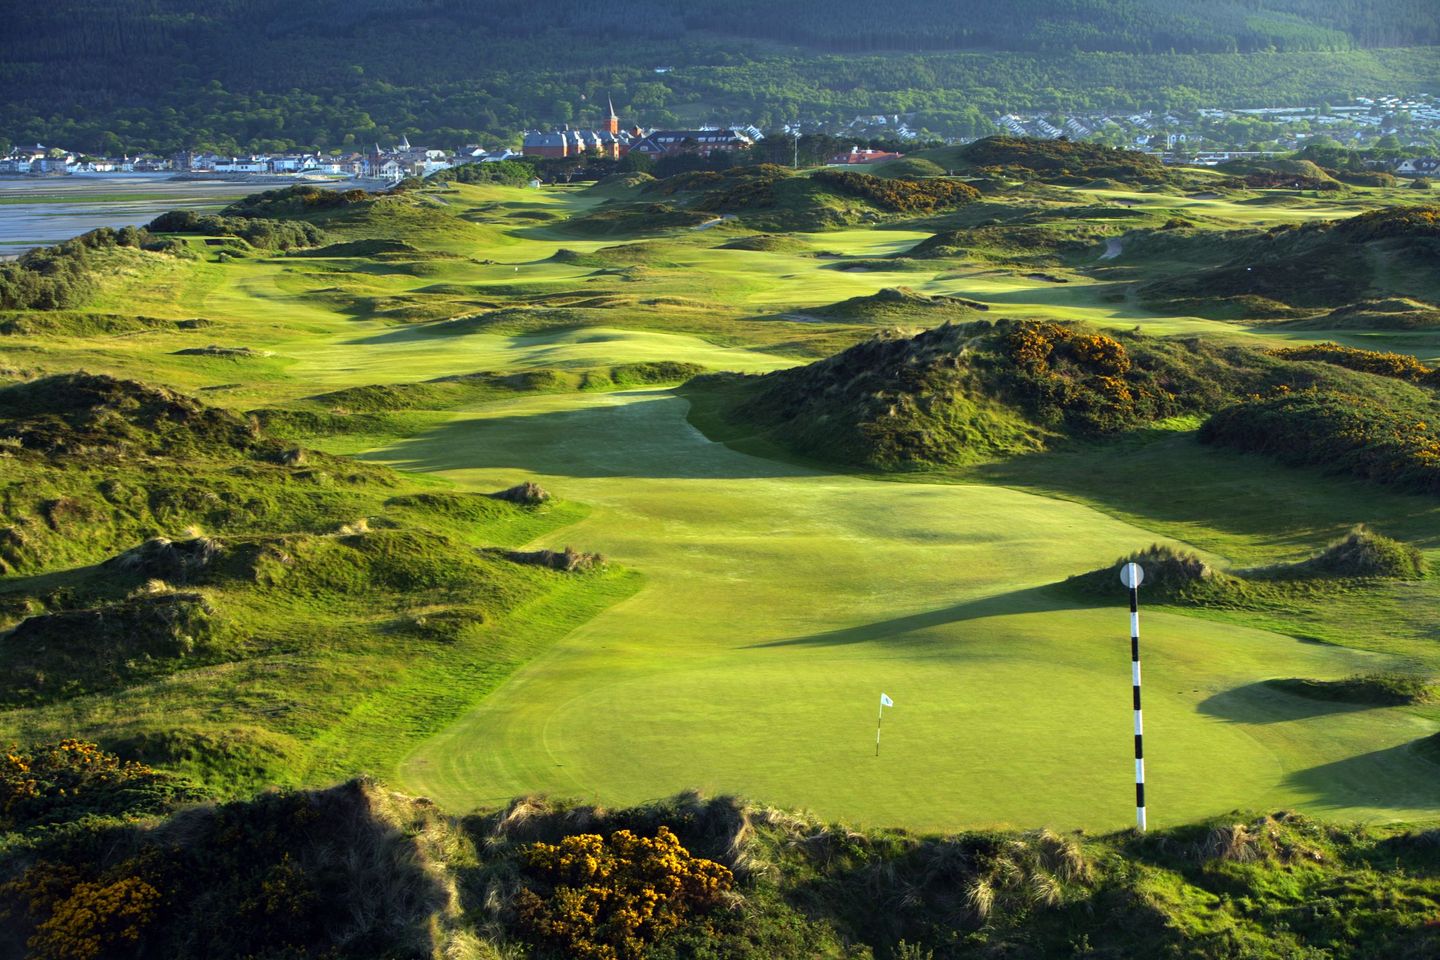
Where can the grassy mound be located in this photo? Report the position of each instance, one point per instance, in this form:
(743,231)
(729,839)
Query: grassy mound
(619,184)
(87,415)
(361,248)
(1400,366)
(1376,689)
(1175,575)
(72,652)
(965,392)
(1170,574)
(448,392)
(299,201)
(1361,554)
(767,243)
(773,198)
(1392,313)
(632,219)
(354,871)
(312,566)
(72,323)
(1018,242)
(898,306)
(1039,236)
(1060,161)
(1275,172)
(1387,433)
(907,168)
(223,353)
(1387,253)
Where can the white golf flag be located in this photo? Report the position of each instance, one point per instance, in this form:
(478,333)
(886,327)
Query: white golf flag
(885,701)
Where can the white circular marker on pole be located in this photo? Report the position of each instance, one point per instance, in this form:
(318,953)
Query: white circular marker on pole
(1132,575)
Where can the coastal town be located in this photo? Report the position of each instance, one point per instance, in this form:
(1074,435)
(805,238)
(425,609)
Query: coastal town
(1205,136)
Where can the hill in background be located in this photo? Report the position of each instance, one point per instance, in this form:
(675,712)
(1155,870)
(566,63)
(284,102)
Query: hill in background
(345,74)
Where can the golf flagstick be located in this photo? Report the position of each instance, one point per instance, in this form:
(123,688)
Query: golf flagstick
(884,702)
(1132,575)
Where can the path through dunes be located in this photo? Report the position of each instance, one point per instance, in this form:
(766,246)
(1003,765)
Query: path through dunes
(779,602)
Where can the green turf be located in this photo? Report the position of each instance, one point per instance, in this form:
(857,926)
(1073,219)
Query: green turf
(773,601)
(780,602)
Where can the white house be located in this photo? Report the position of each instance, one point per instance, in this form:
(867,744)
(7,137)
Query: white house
(244,165)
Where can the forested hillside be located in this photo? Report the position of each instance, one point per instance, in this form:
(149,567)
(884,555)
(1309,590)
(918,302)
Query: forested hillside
(163,74)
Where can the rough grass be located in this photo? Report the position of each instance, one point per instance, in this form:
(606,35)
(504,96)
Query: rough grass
(307,559)
(367,872)
(961,393)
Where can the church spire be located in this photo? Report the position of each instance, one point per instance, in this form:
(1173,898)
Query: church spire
(613,122)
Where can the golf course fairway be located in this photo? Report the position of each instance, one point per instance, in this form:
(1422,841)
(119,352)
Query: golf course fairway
(779,602)
(758,604)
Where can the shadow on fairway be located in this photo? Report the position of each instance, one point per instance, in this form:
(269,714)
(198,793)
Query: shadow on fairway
(1044,599)
(643,438)
(1262,703)
(1400,777)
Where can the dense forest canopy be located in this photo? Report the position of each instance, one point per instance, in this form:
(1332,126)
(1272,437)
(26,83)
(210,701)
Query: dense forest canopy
(465,31)
(164,74)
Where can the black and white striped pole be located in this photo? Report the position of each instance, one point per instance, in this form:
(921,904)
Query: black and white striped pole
(1132,575)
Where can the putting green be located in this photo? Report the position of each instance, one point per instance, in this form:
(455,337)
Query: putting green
(780,602)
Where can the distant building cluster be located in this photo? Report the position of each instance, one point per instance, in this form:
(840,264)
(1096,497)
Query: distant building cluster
(613,141)
(857,155)
(1221,132)
(396,163)
(40,160)
(1205,136)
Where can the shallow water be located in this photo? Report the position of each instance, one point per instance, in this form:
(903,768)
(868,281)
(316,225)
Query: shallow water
(35,211)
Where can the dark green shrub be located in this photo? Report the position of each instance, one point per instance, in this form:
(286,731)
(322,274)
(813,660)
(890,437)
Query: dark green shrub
(898,195)
(1375,689)
(1383,440)
(262,233)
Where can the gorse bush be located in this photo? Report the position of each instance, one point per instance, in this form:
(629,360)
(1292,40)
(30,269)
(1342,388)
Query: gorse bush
(961,392)
(337,873)
(598,898)
(1412,223)
(1383,440)
(293,202)
(1025,158)
(54,782)
(897,195)
(86,919)
(355,873)
(1401,366)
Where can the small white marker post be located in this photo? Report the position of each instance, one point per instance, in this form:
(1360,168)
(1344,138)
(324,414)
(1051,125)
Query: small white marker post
(1132,575)
(884,702)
